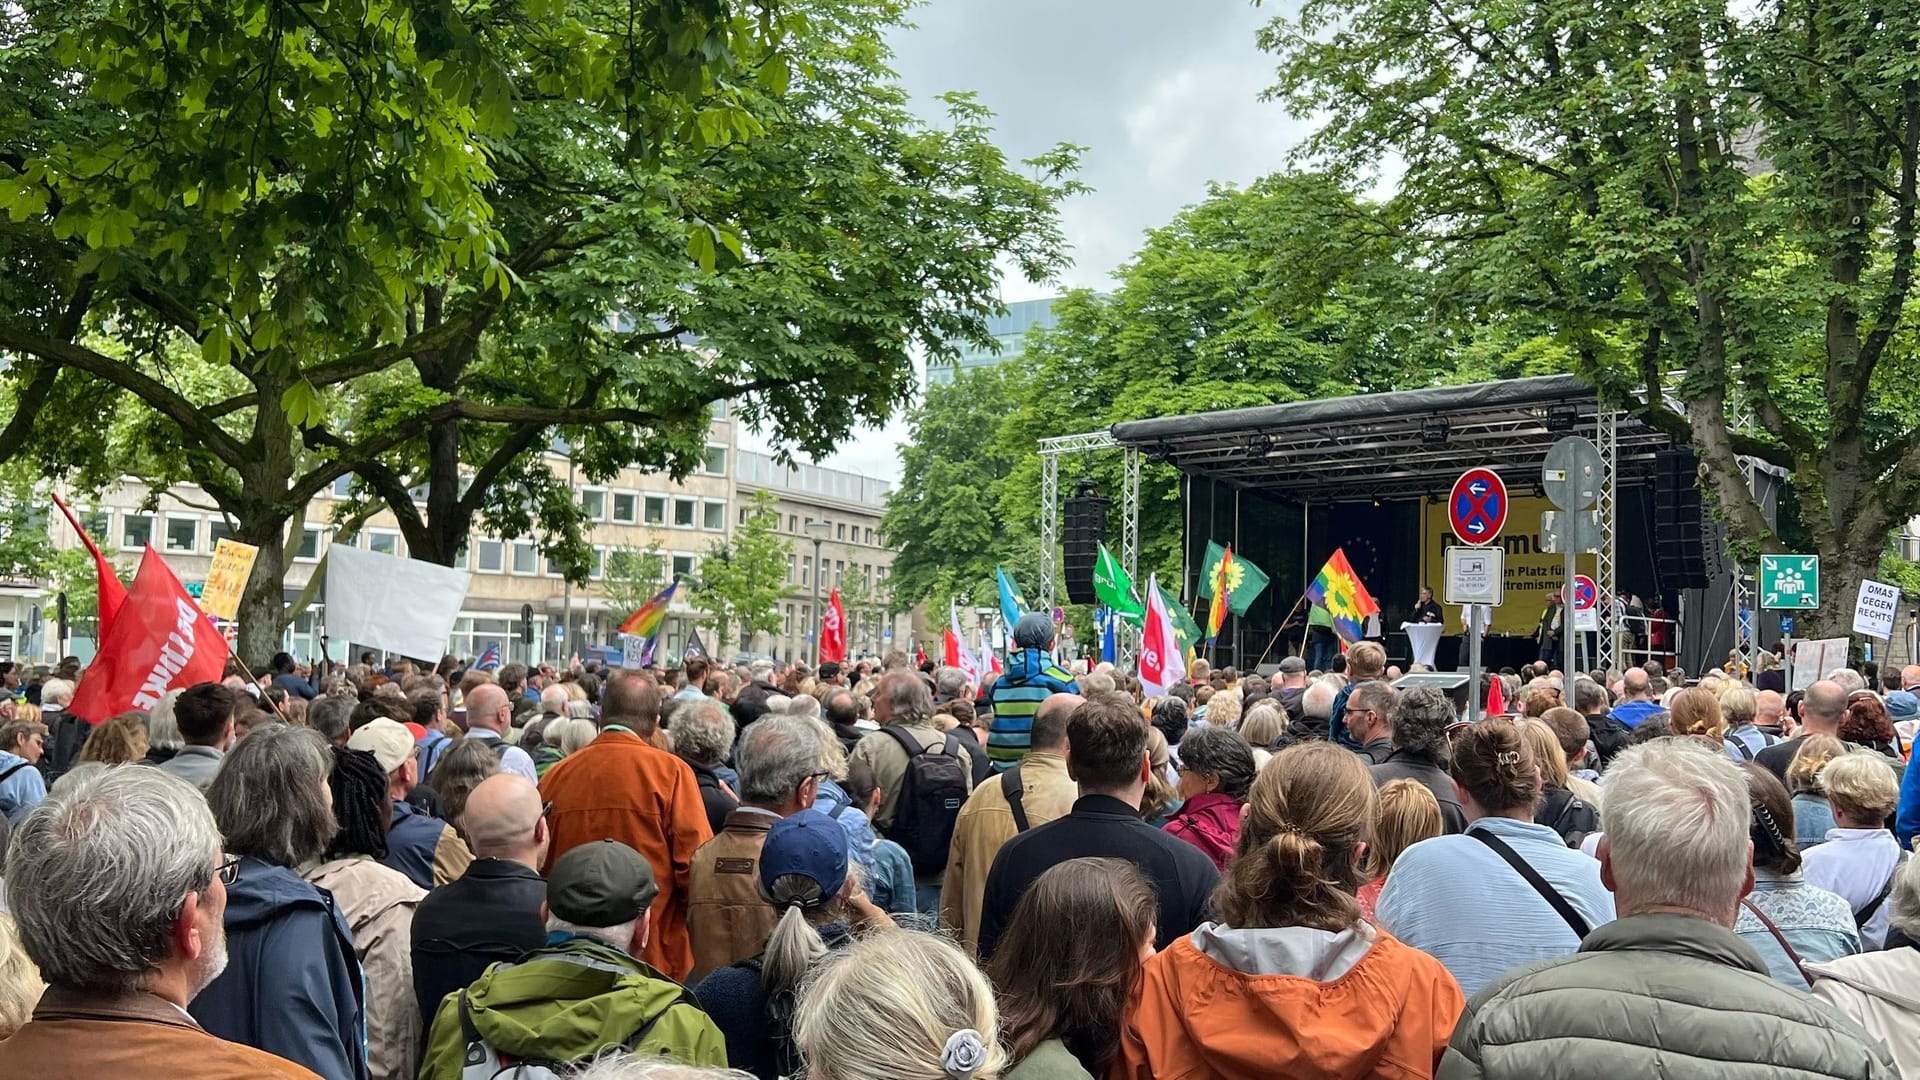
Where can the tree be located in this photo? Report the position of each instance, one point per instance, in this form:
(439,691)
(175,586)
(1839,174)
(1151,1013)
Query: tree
(632,577)
(743,579)
(1711,207)
(25,545)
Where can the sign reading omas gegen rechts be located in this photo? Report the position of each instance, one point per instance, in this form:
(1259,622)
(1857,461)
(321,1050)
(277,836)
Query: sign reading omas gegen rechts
(1875,611)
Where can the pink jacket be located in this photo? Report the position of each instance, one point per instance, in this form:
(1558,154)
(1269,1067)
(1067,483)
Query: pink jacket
(1210,822)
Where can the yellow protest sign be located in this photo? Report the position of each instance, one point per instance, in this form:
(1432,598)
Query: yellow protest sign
(1531,571)
(227,578)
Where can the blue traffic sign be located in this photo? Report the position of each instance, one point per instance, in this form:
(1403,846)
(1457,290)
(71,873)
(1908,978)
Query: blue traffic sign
(1477,506)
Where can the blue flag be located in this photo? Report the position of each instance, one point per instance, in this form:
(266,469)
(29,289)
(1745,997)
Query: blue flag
(1109,636)
(1011,602)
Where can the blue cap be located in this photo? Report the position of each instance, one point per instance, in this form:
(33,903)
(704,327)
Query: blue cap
(1033,631)
(804,861)
(1903,705)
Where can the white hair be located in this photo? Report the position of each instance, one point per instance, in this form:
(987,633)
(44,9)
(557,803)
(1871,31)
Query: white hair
(570,734)
(1317,701)
(1677,827)
(888,1005)
(619,1065)
(1099,682)
(554,699)
(56,692)
(1848,679)
(619,936)
(1903,903)
(163,731)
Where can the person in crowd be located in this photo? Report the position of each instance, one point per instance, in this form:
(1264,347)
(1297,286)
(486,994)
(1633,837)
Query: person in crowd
(836,800)
(20,984)
(1860,856)
(621,788)
(1420,725)
(1769,715)
(1636,699)
(1408,814)
(117,740)
(992,815)
(1031,677)
(1607,733)
(1812,815)
(1262,727)
(1744,739)
(899,1005)
(287,680)
(1162,799)
(1075,948)
(294,988)
(204,714)
(22,787)
(378,903)
(1867,723)
(1877,989)
(703,738)
(66,732)
(1366,662)
(423,847)
(491,913)
(1559,808)
(1292,684)
(888,867)
(779,759)
(1676,856)
(1821,710)
(1788,921)
(803,876)
(1216,769)
(1696,714)
(489,718)
(461,769)
(163,730)
(843,713)
(1573,732)
(940,771)
(562,738)
(1223,710)
(1465,899)
(331,715)
(1169,715)
(586,991)
(1108,757)
(1210,1004)
(119,885)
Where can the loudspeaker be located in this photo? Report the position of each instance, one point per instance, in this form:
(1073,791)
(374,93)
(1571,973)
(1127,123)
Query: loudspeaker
(1680,552)
(1080,547)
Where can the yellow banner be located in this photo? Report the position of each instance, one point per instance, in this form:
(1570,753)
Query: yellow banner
(1531,574)
(227,578)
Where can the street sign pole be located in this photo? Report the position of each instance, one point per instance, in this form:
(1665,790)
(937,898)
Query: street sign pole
(1473,663)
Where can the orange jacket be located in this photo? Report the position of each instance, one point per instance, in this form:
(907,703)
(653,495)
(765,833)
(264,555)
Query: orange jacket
(1389,1015)
(619,788)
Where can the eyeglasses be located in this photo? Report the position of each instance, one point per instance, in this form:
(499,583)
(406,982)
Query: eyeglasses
(546,812)
(229,870)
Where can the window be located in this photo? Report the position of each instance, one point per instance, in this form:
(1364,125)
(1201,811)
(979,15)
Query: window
(599,568)
(793,523)
(716,463)
(523,557)
(656,509)
(381,542)
(839,572)
(492,557)
(98,523)
(593,502)
(869,538)
(683,513)
(136,531)
(743,514)
(713,516)
(552,568)
(840,531)
(683,566)
(791,570)
(217,530)
(309,543)
(625,505)
(806,569)
(183,533)
(786,626)
(343,487)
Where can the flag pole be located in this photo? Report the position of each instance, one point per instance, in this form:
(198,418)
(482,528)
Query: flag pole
(1277,633)
(254,679)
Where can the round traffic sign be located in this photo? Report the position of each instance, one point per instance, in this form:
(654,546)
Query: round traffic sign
(1477,508)
(1585,593)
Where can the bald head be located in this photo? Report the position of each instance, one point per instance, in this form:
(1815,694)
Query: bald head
(1768,706)
(489,707)
(1821,709)
(502,819)
(1635,683)
(1050,721)
(1910,677)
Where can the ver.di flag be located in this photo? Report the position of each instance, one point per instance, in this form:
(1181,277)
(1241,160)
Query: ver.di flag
(1245,581)
(1161,662)
(158,641)
(1113,587)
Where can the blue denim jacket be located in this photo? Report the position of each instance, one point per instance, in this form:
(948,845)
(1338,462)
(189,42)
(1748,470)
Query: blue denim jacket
(1817,923)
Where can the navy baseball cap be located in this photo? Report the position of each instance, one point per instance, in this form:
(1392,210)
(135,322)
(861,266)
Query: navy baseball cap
(804,861)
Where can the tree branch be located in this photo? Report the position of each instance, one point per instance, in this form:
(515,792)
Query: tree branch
(192,420)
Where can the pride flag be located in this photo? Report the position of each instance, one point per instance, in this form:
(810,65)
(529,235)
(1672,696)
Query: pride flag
(1339,591)
(1222,589)
(646,622)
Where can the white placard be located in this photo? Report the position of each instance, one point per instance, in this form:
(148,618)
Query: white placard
(1476,575)
(388,602)
(1874,612)
(1586,619)
(1813,659)
(633,651)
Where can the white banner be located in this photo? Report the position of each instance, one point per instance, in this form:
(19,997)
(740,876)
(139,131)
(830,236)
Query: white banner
(1874,611)
(1815,660)
(387,602)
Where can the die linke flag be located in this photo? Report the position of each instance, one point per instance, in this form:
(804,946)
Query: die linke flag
(1161,663)
(833,630)
(158,641)
(111,592)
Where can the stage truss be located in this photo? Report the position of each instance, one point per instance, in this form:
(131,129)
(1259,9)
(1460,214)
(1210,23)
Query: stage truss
(1051,451)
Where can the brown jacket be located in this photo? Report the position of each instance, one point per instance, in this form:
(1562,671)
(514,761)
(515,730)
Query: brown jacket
(884,755)
(378,901)
(76,1035)
(726,916)
(619,788)
(985,823)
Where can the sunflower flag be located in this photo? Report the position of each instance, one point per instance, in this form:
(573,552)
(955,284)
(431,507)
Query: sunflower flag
(1339,590)
(1221,580)
(1245,581)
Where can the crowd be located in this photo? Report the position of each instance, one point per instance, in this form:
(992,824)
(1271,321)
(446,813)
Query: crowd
(869,870)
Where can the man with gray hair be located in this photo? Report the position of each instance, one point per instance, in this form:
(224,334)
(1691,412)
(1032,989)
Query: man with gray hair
(66,733)
(949,684)
(1370,711)
(1677,856)
(781,760)
(118,885)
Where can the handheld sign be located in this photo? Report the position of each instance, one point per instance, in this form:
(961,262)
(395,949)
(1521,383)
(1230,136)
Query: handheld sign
(1477,508)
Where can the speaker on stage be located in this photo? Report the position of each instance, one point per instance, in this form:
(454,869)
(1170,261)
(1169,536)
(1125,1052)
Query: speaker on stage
(1680,553)
(1080,546)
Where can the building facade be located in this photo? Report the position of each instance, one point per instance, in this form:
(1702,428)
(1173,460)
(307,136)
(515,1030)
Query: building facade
(1009,333)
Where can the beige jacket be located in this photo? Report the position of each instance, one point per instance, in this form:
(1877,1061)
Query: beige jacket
(1881,992)
(378,904)
(727,918)
(985,823)
(888,760)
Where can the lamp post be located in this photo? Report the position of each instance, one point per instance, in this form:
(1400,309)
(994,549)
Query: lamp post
(817,531)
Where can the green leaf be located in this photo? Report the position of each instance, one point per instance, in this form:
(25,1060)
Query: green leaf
(301,404)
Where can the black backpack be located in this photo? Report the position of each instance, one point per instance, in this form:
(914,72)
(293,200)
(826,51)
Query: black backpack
(931,794)
(68,735)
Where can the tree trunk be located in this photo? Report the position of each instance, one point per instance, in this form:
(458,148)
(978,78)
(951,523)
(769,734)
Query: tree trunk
(263,603)
(1854,558)
(260,519)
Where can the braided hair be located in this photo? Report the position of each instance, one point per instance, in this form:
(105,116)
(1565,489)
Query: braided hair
(360,804)
(1771,827)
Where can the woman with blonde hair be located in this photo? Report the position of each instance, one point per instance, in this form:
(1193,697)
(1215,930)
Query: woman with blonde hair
(1408,814)
(1162,797)
(1223,710)
(1559,808)
(1812,817)
(899,1005)
(1860,856)
(1211,1004)
(20,983)
(1262,726)
(1696,712)
(118,740)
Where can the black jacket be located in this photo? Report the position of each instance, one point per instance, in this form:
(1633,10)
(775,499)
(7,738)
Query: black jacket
(1565,813)
(1609,736)
(1100,825)
(1407,765)
(718,803)
(970,741)
(488,914)
(750,703)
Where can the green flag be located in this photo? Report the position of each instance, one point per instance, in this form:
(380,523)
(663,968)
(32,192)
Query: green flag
(1186,632)
(1114,588)
(1249,581)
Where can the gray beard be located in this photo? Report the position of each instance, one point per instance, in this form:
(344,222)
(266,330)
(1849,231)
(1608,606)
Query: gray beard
(209,966)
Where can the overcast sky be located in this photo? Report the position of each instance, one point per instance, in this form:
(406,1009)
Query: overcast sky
(1164,96)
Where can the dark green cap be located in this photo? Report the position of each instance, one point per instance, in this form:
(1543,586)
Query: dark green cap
(605,883)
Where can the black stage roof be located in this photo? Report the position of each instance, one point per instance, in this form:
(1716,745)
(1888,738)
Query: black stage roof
(1400,444)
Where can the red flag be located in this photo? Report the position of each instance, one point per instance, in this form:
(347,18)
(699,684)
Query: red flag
(833,630)
(951,648)
(919,654)
(160,642)
(1496,698)
(112,592)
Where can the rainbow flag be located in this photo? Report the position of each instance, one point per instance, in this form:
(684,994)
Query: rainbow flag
(1339,592)
(1217,611)
(646,622)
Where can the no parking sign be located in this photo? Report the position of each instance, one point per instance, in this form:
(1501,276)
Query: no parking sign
(1477,507)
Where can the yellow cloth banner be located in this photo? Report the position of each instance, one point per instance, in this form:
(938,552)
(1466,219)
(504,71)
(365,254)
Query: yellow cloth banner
(227,578)
(1531,574)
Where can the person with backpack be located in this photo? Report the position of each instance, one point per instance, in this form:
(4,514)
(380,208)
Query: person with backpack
(803,876)
(924,776)
(584,993)
(22,743)
(489,713)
